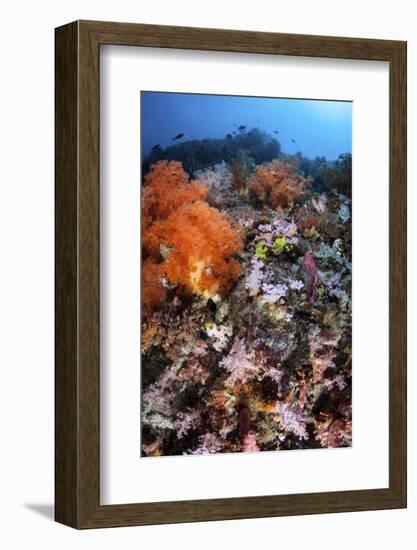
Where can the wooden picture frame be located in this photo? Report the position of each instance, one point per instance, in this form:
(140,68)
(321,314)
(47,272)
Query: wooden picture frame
(77,382)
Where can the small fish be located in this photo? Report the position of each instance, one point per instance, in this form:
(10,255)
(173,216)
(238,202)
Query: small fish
(276,132)
(293,140)
(229,136)
(156,147)
(242,127)
(178,136)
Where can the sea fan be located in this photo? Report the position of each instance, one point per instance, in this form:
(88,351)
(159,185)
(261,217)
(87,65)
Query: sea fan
(312,276)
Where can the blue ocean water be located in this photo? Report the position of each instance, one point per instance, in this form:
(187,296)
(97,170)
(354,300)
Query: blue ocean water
(311,127)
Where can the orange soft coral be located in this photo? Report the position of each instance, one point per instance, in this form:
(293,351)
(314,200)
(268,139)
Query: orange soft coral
(166,188)
(277,183)
(308,226)
(183,238)
(198,243)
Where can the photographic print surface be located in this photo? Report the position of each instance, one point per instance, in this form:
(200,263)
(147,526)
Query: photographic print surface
(246,270)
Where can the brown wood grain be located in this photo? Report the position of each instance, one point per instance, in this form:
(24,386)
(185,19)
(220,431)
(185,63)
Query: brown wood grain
(66,237)
(77,370)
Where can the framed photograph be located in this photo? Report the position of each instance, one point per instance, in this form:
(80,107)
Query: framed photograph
(230,274)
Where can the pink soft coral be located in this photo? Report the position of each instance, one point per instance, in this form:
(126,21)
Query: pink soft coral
(240,363)
(249,443)
(334,433)
(323,349)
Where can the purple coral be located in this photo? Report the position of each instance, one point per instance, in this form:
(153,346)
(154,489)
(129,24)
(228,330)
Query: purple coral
(255,278)
(334,284)
(294,284)
(273,293)
(240,364)
(209,444)
(313,279)
(278,228)
(259,280)
(186,421)
(292,420)
(338,380)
